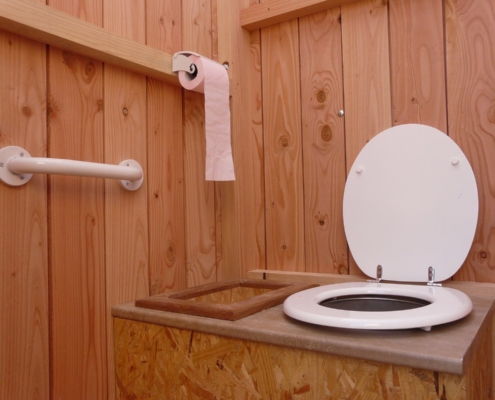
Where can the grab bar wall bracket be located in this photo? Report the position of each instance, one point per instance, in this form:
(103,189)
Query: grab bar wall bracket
(17,167)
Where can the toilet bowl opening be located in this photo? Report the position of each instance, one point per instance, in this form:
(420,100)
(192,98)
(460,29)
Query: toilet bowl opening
(373,303)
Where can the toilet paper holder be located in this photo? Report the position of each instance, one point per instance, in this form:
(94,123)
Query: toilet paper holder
(181,62)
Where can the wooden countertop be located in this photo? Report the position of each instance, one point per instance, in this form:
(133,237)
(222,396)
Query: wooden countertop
(446,348)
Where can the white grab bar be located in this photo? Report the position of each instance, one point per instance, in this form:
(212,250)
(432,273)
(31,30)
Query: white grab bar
(17,168)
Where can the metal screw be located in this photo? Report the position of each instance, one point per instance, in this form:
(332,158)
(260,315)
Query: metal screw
(21,177)
(341,113)
(22,154)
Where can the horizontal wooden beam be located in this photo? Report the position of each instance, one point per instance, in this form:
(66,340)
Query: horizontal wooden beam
(272,12)
(53,27)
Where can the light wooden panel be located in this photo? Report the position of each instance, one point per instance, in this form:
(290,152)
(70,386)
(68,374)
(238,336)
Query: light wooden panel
(77,226)
(24,320)
(77,277)
(126,217)
(323,142)
(471,110)
(418,63)
(282,143)
(367,102)
(61,30)
(272,12)
(200,195)
(242,200)
(165,157)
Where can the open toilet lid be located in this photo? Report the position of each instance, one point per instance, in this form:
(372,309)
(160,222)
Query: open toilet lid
(410,202)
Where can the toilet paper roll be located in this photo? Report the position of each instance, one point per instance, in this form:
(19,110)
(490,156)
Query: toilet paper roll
(212,80)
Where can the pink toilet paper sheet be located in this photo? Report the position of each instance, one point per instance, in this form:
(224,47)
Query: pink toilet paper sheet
(213,81)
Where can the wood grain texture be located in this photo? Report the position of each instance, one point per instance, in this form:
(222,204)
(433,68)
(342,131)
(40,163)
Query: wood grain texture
(201,252)
(283,147)
(24,324)
(471,110)
(366,73)
(126,217)
(367,93)
(417,57)
(77,275)
(272,12)
(165,157)
(156,362)
(242,212)
(323,142)
(61,30)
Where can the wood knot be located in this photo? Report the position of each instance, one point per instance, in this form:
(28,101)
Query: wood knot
(326,133)
(27,111)
(89,71)
(343,270)
(125,111)
(321,96)
(491,115)
(284,141)
(483,254)
(170,253)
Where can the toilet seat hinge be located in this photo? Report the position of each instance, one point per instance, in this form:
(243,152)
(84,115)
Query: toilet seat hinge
(431,277)
(379,274)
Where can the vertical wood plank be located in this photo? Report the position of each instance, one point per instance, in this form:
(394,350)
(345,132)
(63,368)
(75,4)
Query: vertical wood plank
(471,112)
(199,194)
(165,156)
(366,73)
(126,224)
(323,142)
(367,102)
(282,142)
(242,208)
(24,324)
(418,63)
(77,278)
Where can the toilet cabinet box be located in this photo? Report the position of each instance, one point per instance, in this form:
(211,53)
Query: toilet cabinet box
(267,355)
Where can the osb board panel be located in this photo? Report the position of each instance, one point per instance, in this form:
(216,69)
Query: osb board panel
(323,141)
(470,33)
(24,288)
(164,363)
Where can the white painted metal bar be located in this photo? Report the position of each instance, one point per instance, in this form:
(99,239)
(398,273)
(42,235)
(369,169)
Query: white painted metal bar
(58,166)
(17,167)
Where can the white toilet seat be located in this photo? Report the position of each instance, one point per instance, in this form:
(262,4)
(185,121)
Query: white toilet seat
(410,203)
(446,305)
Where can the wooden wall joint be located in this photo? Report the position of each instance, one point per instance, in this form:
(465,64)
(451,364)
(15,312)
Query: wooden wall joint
(53,27)
(272,12)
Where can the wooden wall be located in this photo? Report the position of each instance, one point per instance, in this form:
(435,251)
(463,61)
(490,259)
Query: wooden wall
(73,247)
